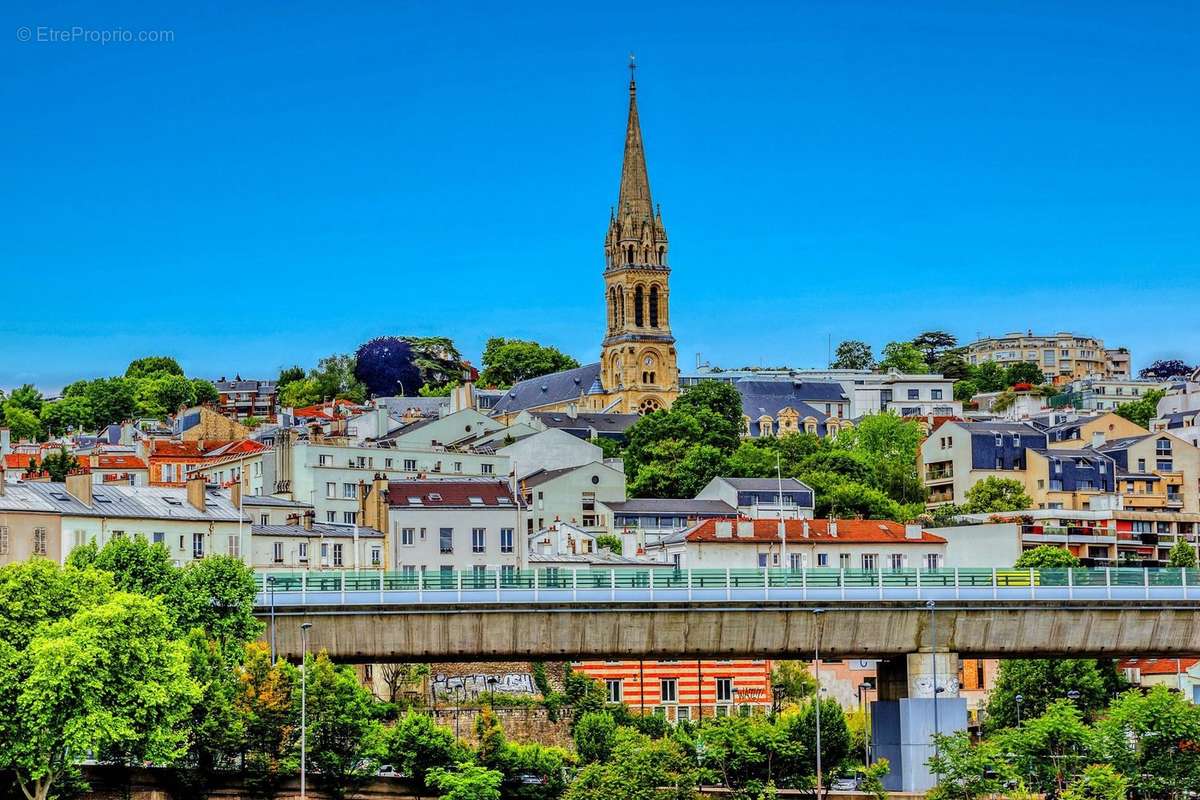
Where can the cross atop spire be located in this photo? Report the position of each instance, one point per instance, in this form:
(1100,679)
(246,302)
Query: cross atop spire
(635,182)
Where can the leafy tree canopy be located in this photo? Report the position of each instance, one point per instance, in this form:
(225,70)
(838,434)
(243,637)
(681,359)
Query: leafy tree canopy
(508,361)
(1046,556)
(904,357)
(1040,682)
(853,354)
(1165,370)
(992,495)
(386,366)
(933,344)
(151,365)
(1142,411)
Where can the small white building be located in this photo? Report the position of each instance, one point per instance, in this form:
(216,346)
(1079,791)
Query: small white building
(308,545)
(572,495)
(839,544)
(760,498)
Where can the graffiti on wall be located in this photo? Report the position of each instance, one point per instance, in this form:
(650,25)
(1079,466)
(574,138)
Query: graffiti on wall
(478,684)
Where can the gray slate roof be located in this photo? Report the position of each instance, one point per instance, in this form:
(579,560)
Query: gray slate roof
(115,501)
(267,501)
(602,558)
(764,484)
(664,505)
(605,423)
(318,530)
(558,387)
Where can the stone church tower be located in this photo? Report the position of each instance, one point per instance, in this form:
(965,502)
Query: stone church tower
(637,362)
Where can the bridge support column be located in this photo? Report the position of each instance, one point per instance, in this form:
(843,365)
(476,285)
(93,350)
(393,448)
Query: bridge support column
(903,718)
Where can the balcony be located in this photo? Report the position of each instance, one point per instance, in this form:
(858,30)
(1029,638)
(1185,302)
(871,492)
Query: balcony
(935,474)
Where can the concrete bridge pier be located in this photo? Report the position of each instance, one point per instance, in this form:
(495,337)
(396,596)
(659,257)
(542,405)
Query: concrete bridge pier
(909,710)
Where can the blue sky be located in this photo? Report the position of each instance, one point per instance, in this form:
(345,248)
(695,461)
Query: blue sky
(283,182)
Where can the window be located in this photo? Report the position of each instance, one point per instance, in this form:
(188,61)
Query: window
(914,394)
(387,463)
(181,541)
(485,469)
(337,554)
(233,546)
(407,535)
(844,560)
(870,560)
(376,555)
(3,540)
(1162,447)
(478,540)
(669,690)
(506,540)
(822,559)
(896,561)
(724,690)
(331,516)
(1016,440)
(349,491)
(331,489)
(197,545)
(446,540)
(1141,465)
(935,394)
(410,465)
(350,517)
(612,688)
(1164,465)
(158,537)
(39,541)
(999,440)
(325,461)
(277,552)
(302,552)
(762,559)
(933,561)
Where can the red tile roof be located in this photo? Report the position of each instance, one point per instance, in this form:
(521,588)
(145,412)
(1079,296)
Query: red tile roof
(848,530)
(18,460)
(1159,666)
(449,494)
(118,462)
(169,448)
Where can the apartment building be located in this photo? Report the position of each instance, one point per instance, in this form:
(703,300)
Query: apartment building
(575,495)
(1100,393)
(1156,472)
(241,399)
(818,543)
(447,525)
(304,544)
(957,455)
(762,498)
(640,520)
(685,690)
(1062,357)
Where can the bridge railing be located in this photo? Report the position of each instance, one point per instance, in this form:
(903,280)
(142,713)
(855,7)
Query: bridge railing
(326,587)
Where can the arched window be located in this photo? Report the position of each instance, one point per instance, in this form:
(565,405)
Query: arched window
(653,306)
(652,381)
(645,377)
(662,255)
(612,308)
(638,317)
(621,307)
(629,254)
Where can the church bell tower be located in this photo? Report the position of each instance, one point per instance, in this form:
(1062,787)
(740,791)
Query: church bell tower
(637,360)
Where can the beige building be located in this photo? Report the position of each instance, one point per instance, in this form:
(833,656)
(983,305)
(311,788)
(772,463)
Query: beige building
(574,495)
(28,527)
(1063,356)
(638,370)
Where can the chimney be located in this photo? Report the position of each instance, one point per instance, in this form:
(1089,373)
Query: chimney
(913,530)
(235,493)
(5,442)
(1,477)
(79,486)
(309,516)
(572,411)
(196,489)
(724,529)
(804,529)
(833,527)
(1097,439)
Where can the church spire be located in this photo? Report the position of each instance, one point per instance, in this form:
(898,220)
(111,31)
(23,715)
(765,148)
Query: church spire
(635,182)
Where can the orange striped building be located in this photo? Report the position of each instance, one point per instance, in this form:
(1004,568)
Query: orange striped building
(684,689)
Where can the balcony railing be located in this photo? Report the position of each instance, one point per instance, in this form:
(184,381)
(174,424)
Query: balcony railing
(672,585)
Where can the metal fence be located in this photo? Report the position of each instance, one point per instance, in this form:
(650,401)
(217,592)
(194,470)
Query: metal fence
(675,585)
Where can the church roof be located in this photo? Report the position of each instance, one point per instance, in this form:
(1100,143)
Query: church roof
(770,397)
(635,180)
(558,387)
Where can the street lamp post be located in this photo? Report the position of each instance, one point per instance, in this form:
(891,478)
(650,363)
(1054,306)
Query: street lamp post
(492,681)
(932,606)
(863,688)
(271,592)
(304,627)
(1019,699)
(459,694)
(817,612)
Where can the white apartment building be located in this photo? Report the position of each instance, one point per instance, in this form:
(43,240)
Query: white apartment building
(574,495)
(307,545)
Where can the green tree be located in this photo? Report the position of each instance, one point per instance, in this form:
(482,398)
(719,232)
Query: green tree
(871,778)
(109,679)
(1050,748)
(968,771)
(163,394)
(23,423)
(903,357)
(267,715)
(888,443)
(853,354)
(965,389)
(1040,682)
(301,393)
(345,739)
(466,781)
(335,379)
(437,359)
(216,731)
(1151,738)
(112,400)
(38,592)
(289,375)
(793,680)
(153,365)
(989,377)
(1023,372)
(1098,782)
(717,407)
(595,736)
(416,745)
(27,397)
(801,726)
(508,361)
(1140,412)
(66,415)
(640,769)
(610,541)
(993,495)
(1182,554)
(217,596)
(952,364)
(59,464)
(933,344)
(204,393)
(1046,556)
(135,564)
